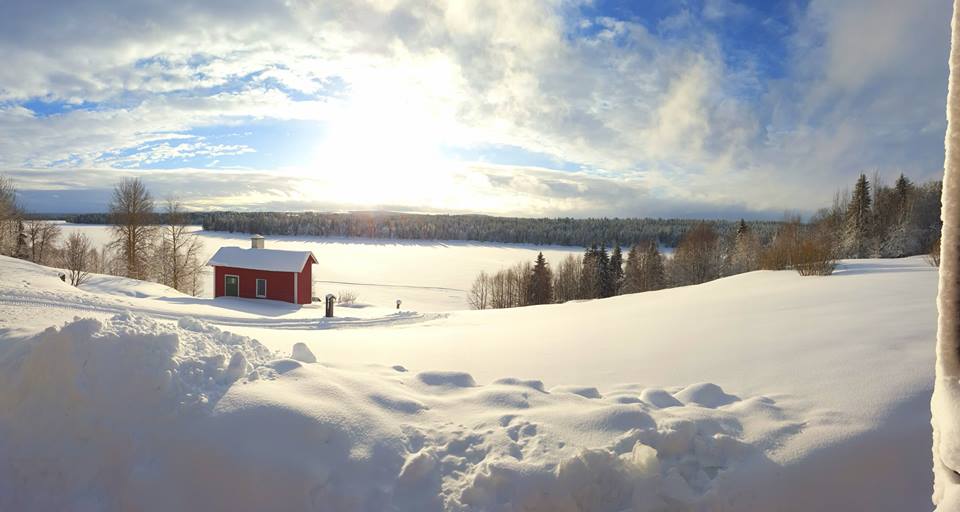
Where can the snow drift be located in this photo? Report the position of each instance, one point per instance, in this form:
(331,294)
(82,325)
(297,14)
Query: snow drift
(132,413)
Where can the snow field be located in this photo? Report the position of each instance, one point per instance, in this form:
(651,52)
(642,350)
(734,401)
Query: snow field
(822,386)
(426,275)
(132,412)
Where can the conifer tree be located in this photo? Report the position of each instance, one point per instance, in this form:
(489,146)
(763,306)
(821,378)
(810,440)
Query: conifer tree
(541,282)
(616,269)
(742,229)
(856,240)
(631,271)
(745,255)
(590,277)
(604,272)
(903,190)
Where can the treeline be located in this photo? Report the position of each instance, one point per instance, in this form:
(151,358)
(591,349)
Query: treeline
(879,221)
(481,228)
(872,221)
(600,273)
(158,218)
(146,245)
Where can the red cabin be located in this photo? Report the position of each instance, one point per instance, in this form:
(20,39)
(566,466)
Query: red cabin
(258,273)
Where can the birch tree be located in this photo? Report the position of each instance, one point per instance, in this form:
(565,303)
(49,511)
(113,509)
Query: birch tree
(42,236)
(132,217)
(76,258)
(178,251)
(479,296)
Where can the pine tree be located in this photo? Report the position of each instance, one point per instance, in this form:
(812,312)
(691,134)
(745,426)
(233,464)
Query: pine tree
(745,256)
(856,239)
(604,273)
(902,237)
(903,190)
(616,269)
(541,282)
(742,229)
(589,277)
(652,275)
(631,271)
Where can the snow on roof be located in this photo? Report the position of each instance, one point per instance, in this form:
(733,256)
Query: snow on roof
(261,259)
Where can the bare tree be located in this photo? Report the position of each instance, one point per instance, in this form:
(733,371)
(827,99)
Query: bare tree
(566,280)
(9,216)
(132,216)
(697,257)
(76,258)
(179,251)
(479,296)
(42,235)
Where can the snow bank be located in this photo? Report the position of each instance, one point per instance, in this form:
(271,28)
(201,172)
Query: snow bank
(86,408)
(132,413)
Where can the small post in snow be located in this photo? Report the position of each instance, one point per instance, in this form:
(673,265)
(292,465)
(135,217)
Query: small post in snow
(330,299)
(398,303)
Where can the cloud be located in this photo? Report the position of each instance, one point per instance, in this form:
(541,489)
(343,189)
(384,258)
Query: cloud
(680,113)
(491,189)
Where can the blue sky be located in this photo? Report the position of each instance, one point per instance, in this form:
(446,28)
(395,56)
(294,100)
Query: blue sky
(562,107)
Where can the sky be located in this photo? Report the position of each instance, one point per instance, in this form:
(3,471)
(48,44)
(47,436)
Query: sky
(699,108)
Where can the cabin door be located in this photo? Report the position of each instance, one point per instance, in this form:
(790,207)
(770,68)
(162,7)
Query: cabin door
(231,286)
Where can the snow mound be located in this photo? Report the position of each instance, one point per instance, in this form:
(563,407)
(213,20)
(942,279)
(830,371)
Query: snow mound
(659,398)
(301,352)
(452,379)
(132,413)
(706,394)
(584,391)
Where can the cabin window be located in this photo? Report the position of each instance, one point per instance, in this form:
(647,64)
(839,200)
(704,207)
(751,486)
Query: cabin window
(261,287)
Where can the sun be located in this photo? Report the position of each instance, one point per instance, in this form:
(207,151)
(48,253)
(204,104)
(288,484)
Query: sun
(383,147)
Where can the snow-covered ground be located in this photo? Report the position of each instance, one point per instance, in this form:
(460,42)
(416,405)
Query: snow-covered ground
(426,275)
(764,391)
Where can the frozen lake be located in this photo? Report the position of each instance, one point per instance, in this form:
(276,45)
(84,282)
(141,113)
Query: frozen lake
(427,275)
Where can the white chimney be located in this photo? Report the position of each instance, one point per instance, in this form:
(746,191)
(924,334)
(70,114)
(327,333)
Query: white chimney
(256,242)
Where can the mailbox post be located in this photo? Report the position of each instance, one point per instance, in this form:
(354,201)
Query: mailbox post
(330,300)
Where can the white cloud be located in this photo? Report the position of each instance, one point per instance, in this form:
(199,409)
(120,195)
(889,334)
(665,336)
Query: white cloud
(668,120)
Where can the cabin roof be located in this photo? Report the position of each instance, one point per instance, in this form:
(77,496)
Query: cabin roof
(273,260)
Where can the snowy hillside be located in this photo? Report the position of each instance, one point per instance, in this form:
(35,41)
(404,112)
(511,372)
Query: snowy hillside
(764,391)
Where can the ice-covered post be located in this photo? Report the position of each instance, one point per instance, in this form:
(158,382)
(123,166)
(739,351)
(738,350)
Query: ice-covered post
(945,405)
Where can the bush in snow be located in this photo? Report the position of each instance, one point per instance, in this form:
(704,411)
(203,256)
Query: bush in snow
(815,259)
(346,297)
